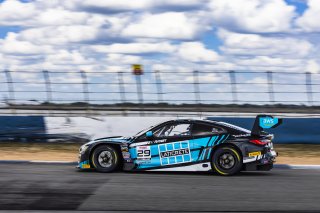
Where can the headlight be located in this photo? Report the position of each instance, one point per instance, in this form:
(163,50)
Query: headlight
(83,148)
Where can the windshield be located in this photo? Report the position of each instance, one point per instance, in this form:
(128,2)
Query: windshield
(143,131)
(146,130)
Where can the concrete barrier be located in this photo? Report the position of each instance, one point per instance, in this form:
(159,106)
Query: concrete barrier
(37,128)
(292,130)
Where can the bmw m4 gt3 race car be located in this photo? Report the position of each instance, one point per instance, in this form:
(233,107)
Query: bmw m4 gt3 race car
(186,145)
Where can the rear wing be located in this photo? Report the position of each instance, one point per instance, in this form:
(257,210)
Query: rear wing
(264,122)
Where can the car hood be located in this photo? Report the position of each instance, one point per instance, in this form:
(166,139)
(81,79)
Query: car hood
(114,139)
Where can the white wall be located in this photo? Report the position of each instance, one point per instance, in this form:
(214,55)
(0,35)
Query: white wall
(101,126)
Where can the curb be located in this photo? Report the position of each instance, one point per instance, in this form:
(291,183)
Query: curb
(276,166)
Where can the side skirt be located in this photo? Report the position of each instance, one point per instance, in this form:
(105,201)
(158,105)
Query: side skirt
(190,168)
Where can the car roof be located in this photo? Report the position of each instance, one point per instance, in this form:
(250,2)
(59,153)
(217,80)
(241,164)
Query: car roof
(195,120)
(220,123)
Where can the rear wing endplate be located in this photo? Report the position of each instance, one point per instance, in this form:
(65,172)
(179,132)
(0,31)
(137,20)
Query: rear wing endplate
(264,122)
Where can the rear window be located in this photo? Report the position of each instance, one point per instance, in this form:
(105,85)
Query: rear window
(205,129)
(235,130)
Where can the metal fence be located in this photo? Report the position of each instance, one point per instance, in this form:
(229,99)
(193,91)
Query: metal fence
(172,87)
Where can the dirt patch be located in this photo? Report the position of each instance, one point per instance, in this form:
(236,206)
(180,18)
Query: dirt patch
(288,153)
(39,151)
(298,153)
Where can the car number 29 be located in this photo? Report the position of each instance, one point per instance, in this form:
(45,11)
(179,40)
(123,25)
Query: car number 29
(143,152)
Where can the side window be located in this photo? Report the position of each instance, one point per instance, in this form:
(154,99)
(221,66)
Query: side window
(173,130)
(204,129)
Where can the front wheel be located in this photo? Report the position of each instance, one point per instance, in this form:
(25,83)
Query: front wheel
(105,159)
(226,161)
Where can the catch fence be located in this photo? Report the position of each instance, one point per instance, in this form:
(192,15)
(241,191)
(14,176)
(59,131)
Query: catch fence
(158,87)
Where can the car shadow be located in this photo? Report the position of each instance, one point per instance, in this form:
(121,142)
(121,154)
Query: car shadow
(209,173)
(195,173)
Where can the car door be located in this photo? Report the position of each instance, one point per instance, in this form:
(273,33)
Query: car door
(168,147)
(205,137)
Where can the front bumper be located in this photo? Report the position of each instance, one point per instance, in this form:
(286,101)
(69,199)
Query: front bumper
(84,159)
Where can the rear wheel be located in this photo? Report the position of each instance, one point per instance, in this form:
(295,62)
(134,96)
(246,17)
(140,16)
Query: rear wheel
(226,161)
(105,159)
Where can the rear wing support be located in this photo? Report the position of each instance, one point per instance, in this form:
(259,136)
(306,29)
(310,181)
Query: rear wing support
(264,122)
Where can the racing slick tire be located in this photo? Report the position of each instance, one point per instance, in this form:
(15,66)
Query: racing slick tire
(105,159)
(226,161)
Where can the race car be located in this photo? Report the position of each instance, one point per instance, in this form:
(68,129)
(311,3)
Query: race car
(186,145)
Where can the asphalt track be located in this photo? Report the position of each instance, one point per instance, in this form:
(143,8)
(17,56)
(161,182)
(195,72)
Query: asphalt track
(61,187)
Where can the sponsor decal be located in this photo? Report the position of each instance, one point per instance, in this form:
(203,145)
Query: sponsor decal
(243,135)
(143,153)
(252,154)
(174,153)
(124,149)
(143,161)
(157,141)
(148,142)
(84,164)
(126,155)
(267,122)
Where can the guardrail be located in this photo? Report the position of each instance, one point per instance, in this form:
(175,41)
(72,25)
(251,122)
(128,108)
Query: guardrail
(173,87)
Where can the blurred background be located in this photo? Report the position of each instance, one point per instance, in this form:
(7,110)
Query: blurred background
(71,71)
(73,107)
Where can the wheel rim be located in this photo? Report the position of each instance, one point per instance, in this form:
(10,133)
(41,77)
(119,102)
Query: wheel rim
(226,161)
(105,159)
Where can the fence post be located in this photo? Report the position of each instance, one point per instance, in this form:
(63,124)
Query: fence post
(139,88)
(140,94)
(159,87)
(85,87)
(121,87)
(196,86)
(233,83)
(270,86)
(309,88)
(10,86)
(48,85)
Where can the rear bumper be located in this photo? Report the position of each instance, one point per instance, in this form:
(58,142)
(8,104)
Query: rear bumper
(262,162)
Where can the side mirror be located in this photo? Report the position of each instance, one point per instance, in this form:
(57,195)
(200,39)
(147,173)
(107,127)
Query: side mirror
(149,134)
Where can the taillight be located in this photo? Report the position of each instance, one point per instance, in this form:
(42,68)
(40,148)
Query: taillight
(259,142)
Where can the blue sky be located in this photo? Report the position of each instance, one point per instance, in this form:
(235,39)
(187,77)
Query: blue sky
(176,35)
(207,34)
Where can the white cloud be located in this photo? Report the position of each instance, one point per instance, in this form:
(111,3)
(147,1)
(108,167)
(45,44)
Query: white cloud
(253,15)
(129,5)
(196,52)
(60,34)
(59,16)
(66,57)
(253,44)
(312,66)
(170,25)
(269,63)
(119,5)
(119,59)
(100,35)
(12,46)
(135,48)
(309,21)
(13,12)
